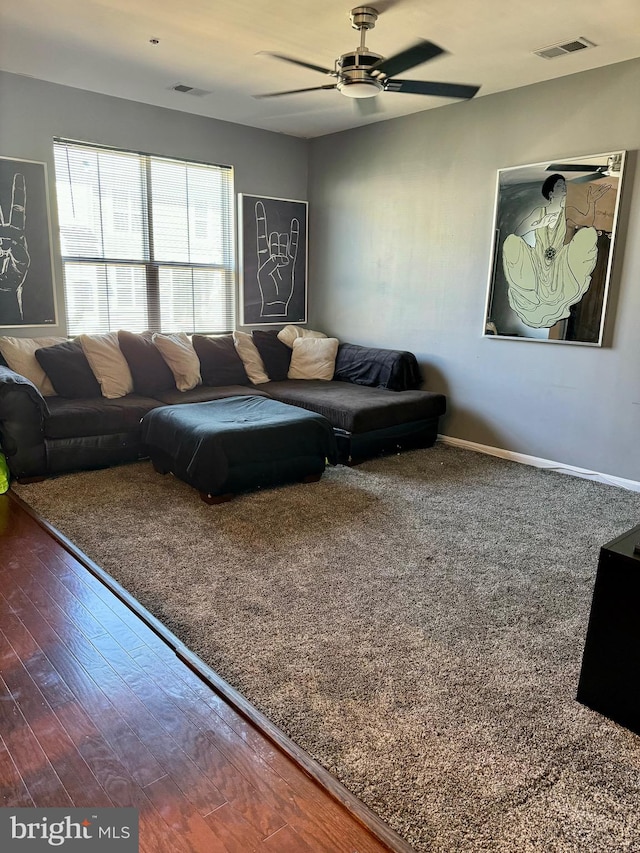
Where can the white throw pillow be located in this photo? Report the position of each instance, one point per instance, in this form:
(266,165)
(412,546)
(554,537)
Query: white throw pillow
(108,364)
(251,358)
(313,358)
(19,353)
(179,354)
(291,333)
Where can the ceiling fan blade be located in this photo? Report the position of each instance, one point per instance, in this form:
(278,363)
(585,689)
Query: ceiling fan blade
(383,6)
(296,91)
(574,167)
(421,51)
(422,87)
(301,62)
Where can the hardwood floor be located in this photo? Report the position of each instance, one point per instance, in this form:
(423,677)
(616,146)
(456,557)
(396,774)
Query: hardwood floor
(97,710)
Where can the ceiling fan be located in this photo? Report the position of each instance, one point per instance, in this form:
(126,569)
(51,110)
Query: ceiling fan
(591,172)
(362,74)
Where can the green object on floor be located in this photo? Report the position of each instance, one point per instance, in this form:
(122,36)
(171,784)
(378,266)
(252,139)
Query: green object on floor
(4,475)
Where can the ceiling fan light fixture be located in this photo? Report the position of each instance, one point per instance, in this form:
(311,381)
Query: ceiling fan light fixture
(368,88)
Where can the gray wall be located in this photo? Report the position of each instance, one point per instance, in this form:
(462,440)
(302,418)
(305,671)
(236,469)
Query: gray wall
(32,112)
(401,216)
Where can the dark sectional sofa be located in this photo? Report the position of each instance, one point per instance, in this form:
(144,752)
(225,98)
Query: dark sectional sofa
(373,404)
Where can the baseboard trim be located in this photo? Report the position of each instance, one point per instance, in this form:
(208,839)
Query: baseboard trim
(537,462)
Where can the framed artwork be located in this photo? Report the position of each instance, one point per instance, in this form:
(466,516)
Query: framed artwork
(554,231)
(273,260)
(27,291)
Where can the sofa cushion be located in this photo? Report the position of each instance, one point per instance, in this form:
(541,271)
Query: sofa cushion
(67,367)
(220,363)
(96,416)
(177,350)
(251,358)
(204,393)
(108,364)
(149,370)
(357,408)
(313,358)
(289,334)
(275,355)
(20,356)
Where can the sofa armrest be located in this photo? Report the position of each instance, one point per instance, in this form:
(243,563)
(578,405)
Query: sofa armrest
(22,413)
(396,370)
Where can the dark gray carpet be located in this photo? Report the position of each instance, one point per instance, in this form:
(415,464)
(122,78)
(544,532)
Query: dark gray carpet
(415,623)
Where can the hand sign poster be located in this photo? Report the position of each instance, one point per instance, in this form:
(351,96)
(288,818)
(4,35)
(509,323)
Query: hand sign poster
(273,258)
(27,296)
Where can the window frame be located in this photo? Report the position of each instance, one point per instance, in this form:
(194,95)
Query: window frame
(151,264)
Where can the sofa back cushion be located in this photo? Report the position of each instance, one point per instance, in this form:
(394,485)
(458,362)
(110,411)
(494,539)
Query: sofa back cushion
(289,333)
(177,350)
(108,364)
(220,363)
(275,355)
(20,356)
(151,373)
(251,358)
(67,367)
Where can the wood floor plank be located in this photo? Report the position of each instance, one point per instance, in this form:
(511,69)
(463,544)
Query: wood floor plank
(179,814)
(101,756)
(59,607)
(172,743)
(65,586)
(287,840)
(13,791)
(128,748)
(145,635)
(238,834)
(101,706)
(74,773)
(38,774)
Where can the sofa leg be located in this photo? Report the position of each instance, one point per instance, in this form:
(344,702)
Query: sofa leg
(217,499)
(24,481)
(312,478)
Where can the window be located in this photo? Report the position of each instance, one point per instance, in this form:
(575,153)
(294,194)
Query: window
(147,242)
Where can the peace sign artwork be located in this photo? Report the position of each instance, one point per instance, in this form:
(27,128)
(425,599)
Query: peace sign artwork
(27,293)
(273,260)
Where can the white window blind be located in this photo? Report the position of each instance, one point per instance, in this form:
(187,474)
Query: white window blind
(147,242)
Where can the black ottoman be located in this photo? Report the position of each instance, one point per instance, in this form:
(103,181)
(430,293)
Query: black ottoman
(238,443)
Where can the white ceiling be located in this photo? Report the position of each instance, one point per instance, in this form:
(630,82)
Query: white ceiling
(104,46)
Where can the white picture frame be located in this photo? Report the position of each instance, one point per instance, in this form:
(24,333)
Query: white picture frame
(555,224)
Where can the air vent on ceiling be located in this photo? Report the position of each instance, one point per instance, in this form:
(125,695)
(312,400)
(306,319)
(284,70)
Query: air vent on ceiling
(554,50)
(183,89)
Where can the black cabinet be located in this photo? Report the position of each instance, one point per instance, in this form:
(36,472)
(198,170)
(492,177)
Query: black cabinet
(610,675)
